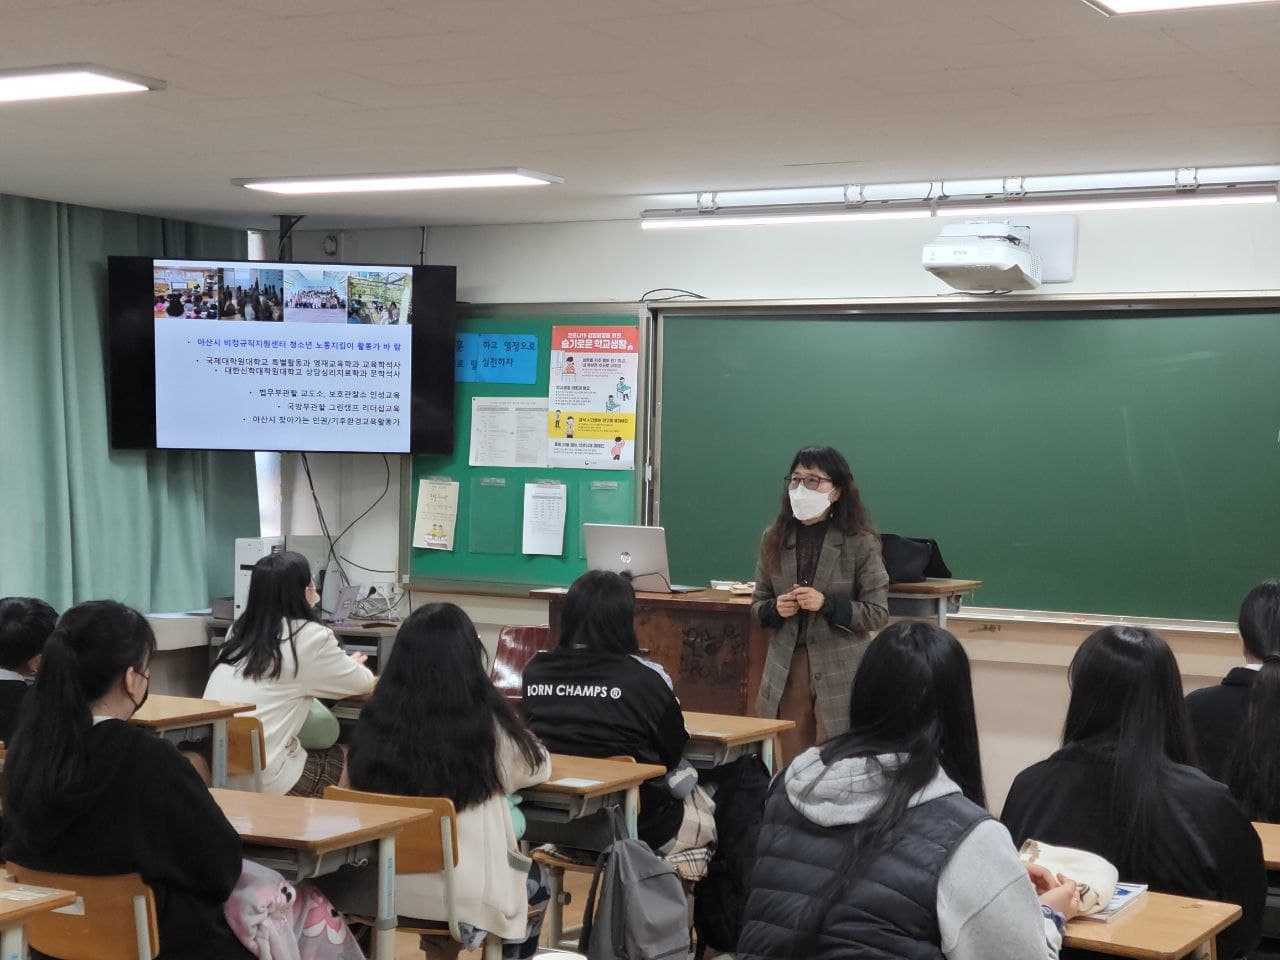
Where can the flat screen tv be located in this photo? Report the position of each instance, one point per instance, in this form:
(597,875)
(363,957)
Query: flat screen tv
(253,355)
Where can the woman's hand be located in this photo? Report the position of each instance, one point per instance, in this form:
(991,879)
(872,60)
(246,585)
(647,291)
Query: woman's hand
(808,598)
(359,657)
(1059,893)
(787,605)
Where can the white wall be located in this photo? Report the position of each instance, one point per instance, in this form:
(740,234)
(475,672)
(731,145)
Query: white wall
(1154,251)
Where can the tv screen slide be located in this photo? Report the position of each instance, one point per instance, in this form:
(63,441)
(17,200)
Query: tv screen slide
(231,355)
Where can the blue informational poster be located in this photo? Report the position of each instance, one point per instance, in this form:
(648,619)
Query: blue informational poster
(496,358)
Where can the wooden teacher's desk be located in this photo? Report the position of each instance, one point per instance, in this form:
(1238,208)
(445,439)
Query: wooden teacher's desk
(714,649)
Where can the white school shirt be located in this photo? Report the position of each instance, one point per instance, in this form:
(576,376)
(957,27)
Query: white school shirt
(322,670)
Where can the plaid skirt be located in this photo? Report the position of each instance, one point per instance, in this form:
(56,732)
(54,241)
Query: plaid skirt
(323,769)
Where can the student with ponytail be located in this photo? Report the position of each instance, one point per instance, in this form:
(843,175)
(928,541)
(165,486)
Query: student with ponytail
(86,792)
(1237,723)
(876,844)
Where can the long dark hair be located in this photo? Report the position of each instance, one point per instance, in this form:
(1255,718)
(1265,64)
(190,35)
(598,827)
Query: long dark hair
(599,614)
(277,600)
(89,651)
(1253,771)
(912,698)
(848,514)
(25,624)
(428,729)
(1126,699)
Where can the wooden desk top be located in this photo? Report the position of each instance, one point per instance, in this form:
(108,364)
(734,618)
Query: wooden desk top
(722,600)
(1269,834)
(166,713)
(588,777)
(306,823)
(721,728)
(352,629)
(17,902)
(934,587)
(1159,927)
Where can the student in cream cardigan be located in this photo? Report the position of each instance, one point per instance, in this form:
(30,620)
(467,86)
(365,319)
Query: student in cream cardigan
(436,727)
(280,658)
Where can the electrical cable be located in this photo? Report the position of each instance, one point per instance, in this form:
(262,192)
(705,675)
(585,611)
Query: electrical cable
(676,290)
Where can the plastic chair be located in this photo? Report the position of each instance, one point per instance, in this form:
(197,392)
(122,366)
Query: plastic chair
(113,919)
(516,647)
(246,749)
(425,846)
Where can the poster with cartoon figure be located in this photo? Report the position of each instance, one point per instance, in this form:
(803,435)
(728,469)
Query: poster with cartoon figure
(591,409)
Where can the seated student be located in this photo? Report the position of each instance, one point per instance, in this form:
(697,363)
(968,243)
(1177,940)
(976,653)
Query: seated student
(595,697)
(1123,786)
(436,727)
(25,624)
(278,656)
(1237,723)
(876,843)
(86,792)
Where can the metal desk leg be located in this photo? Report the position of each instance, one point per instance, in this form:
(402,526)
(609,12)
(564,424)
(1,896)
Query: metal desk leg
(766,754)
(219,771)
(632,811)
(942,612)
(13,945)
(384,936)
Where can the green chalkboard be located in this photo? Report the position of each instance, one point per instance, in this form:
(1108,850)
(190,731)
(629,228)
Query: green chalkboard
(1122,463)
(491,499)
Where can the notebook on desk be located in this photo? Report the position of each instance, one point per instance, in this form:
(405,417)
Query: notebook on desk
(636,552)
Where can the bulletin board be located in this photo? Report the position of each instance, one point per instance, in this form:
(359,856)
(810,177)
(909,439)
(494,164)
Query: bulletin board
(487,537)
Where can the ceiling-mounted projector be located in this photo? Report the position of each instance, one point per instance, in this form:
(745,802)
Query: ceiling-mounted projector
(984,256)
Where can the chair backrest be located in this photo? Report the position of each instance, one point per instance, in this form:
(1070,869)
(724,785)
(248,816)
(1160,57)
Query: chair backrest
(113,918)
(246,748)
(516,647)
(420,847)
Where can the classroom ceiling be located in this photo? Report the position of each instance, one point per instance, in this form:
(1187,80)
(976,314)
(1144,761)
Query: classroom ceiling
(625,99)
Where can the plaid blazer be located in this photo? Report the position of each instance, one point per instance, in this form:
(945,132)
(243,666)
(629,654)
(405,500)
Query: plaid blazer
(849,566)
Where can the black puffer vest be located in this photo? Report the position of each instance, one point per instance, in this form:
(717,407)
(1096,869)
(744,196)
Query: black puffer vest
(888,913)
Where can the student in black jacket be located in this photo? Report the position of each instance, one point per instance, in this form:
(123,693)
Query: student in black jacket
(87,792)
(1123,785)
(1237,723)
(25,624)
(595,696)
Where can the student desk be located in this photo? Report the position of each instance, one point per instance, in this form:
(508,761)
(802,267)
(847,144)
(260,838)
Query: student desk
(18,902)
(178,718)
(942,596)
(579,787)
(1159,927)
(303,837)
(1269,834)
(353,636)
(717,738)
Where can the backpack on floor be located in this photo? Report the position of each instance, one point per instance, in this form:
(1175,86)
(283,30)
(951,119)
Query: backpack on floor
(636,909)
(741,788)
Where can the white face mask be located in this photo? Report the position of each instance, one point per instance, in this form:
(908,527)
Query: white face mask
(807,504)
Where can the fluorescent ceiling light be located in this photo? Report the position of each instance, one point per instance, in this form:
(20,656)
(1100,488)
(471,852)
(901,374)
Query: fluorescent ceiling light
(69,80)
(685,220)
(1120,7)
(1029,207)
(393,182)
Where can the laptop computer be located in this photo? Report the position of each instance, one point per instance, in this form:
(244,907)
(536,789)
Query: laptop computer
(348,597)
(639,552)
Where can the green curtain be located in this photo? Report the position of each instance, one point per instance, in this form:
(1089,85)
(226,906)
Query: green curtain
(80,521)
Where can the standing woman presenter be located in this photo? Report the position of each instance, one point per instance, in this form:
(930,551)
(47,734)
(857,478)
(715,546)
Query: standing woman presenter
(821,586)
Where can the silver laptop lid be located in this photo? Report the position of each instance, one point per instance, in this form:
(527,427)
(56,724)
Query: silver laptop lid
(640,552)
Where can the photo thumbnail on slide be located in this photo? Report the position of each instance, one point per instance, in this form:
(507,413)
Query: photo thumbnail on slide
(379,297)
(315,295)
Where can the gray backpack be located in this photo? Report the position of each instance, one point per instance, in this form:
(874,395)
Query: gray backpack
(642,912)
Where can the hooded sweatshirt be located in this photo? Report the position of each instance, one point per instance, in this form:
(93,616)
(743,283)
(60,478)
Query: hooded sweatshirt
(986,906)
(142,809)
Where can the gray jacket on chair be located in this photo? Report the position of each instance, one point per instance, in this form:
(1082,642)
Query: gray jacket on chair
(851,575)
